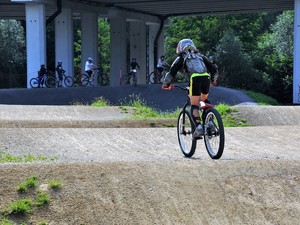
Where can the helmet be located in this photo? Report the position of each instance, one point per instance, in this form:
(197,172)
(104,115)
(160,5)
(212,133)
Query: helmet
(211,57)
(185,45)
(162,57)
(90,59)
(59,61)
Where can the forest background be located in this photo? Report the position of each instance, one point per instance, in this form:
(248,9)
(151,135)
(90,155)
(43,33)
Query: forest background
(253,51)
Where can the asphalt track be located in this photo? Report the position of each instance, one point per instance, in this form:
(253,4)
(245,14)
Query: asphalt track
(153,95)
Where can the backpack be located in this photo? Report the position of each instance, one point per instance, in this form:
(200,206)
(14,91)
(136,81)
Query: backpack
(194,62)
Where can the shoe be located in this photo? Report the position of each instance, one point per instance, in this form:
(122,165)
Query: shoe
(199,132)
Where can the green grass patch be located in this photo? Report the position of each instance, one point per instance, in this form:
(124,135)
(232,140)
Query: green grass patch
(21,206)
(42,198)
(262,99)
(100,102)
(55,184)
(30,182)
(228,116)
(6,157)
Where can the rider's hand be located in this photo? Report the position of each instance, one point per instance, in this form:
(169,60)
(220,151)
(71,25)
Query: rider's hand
(214,83)
(165,86)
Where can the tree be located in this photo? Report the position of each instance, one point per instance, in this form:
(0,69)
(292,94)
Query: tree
(12,45)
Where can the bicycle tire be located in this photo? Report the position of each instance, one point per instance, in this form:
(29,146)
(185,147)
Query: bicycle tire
(84,79)
(69,81)
(152,78)
(214,136)
(103,80)
(134,80)
(50,82)
(34,83)
(185,130)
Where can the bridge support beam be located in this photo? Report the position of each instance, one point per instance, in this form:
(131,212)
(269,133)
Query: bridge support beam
(138,48)
(35,38)
(64,40)
(117,49)
(89,39)
(296,75)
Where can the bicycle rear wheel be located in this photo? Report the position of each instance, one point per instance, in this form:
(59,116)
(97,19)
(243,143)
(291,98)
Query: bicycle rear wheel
(68,81)
(84,79)
(103,80)
(214,137)
(185,130)
(34,83)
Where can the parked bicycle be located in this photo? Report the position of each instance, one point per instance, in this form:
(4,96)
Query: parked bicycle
(53,81)
(38,82)
(214,137)
(156,77)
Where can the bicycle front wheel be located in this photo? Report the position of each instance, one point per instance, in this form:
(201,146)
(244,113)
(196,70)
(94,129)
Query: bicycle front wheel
(185,130)
(84,79)
(214,137)
(34,83)
(152,78)
(68,81)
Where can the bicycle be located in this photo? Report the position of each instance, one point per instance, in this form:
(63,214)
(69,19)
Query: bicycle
(38,82)
(214,137)
(156,77)
(84,79)
(125,79)
(52,81)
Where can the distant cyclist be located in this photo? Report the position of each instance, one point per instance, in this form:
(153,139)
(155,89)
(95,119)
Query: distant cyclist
(42,75)
(161,64)
(60,71)
(89,68)
(201,72)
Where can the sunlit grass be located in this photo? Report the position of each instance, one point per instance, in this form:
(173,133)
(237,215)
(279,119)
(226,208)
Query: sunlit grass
(262,99)
(100,102)
(6,157)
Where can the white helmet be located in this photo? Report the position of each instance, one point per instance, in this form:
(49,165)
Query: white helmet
(90,59)
(185,45)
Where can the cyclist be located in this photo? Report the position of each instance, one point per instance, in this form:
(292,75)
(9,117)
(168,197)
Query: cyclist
(133,67)
(60,71)
(201,72)
(42,75)
(89,68)
(161,64)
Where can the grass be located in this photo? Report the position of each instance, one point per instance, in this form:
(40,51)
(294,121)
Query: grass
(100,102)
(55,184)
(21,206)
(30,182)
(28,205)
(228,116)
(262,99)
(6,157)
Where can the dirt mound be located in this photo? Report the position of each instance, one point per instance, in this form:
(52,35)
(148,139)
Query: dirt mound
(179,192)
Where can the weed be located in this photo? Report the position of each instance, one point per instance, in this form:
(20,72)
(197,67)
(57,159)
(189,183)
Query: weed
(6,157)
(21,206)
(100,102)
(55,184)
(28,183)
(42,198)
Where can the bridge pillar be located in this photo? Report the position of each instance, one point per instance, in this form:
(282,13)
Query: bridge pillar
(153,29)
(89,39)
(296,75)
(138,48)
(64,40)
(117,49)
(35,38)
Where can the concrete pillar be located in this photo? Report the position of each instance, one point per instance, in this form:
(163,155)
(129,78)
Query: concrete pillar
(64,38)
(89,39)
(35,38)
(296,76)
(138,48)
(117,49)
(153,29)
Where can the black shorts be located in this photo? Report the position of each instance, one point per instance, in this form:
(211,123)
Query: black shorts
(199,84)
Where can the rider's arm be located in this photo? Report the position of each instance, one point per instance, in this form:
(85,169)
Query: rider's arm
(176,66)
(212,70)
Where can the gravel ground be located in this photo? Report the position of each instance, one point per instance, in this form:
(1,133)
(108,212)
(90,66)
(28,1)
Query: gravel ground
(139,176)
